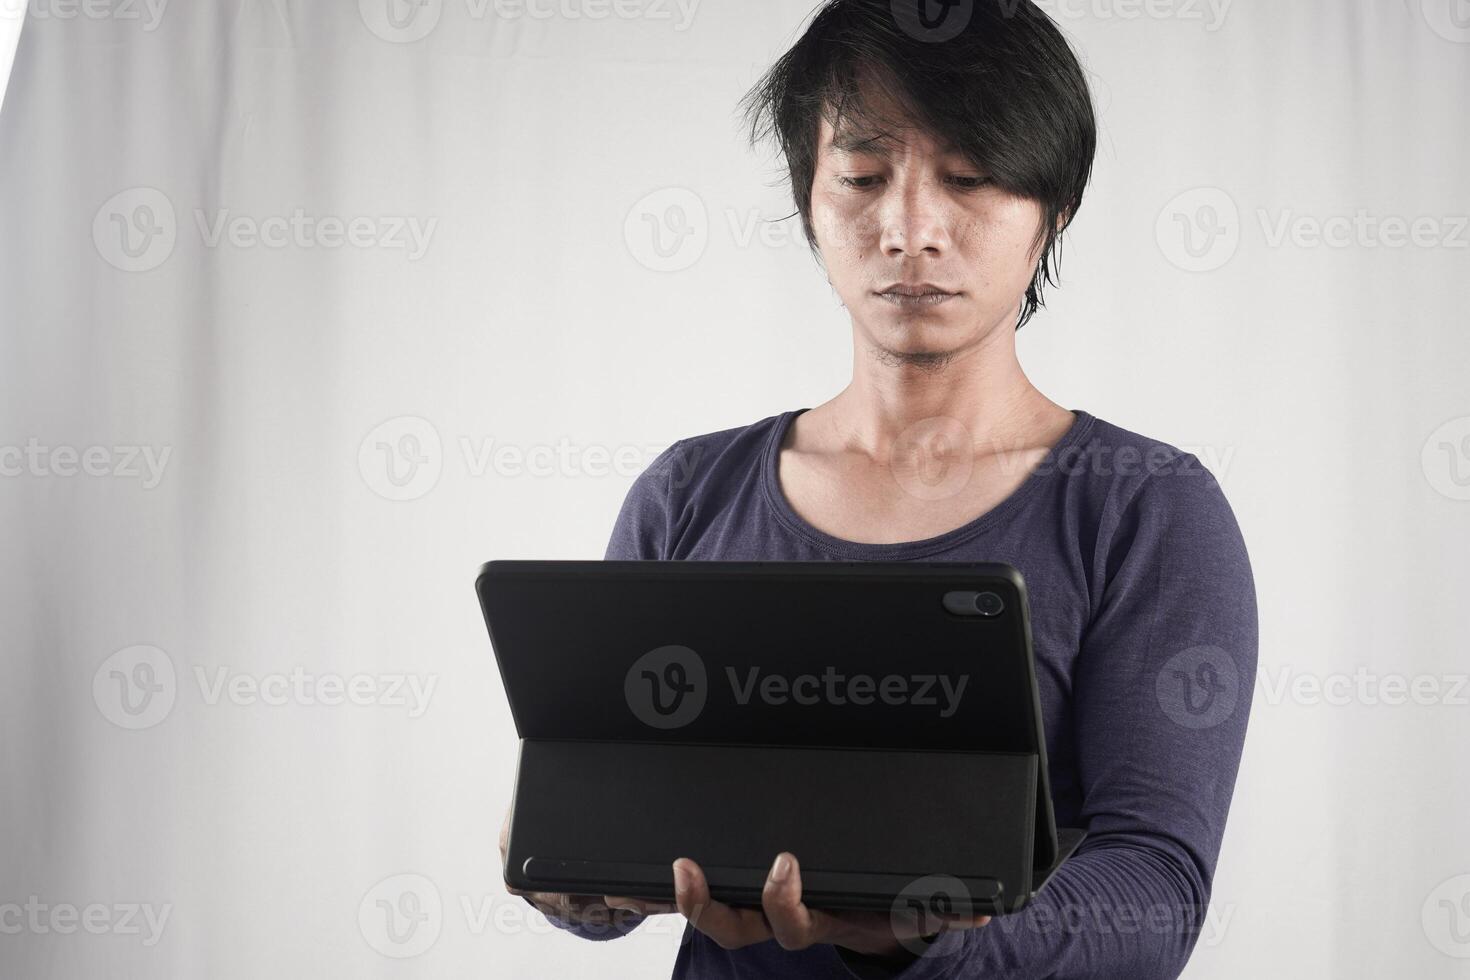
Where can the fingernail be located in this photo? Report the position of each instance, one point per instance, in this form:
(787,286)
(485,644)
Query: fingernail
(681,879)
(781,869)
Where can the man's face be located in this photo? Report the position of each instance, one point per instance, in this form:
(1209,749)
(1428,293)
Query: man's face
(912,212)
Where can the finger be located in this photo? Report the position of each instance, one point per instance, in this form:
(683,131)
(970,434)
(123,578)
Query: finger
(505,837)
(792,923)
(639,905)
(956,920)
(569,907)
(559,905)
(729,928)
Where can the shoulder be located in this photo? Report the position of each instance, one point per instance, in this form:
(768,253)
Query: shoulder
(700,463)
(1124,469)
(1160,500)
(691,474)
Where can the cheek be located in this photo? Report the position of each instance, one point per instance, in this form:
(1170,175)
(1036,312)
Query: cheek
(843,229)
(999,237)
(1019,221)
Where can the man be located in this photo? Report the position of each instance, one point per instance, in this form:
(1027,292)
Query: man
(934,170)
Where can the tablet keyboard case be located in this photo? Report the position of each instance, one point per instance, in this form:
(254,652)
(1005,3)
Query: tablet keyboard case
(884,804)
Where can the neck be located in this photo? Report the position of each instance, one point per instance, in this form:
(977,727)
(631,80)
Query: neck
(980,391)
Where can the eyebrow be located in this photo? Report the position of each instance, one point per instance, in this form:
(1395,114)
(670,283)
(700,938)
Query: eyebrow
(880,146)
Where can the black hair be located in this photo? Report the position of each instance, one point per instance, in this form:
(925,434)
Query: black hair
(996,78)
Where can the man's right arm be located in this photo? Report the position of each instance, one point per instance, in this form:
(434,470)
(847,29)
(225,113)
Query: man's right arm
(639,532)
(587,916)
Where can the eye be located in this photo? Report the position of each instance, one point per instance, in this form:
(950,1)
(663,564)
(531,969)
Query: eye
(969,183)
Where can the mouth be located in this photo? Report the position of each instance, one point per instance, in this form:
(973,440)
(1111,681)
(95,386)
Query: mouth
(905,299)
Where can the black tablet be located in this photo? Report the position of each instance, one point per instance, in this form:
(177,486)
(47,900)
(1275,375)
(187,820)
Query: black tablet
(879,720)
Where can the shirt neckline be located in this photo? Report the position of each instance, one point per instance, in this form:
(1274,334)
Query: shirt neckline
(920,547)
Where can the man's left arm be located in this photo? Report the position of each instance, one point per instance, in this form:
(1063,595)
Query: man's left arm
(1161,696)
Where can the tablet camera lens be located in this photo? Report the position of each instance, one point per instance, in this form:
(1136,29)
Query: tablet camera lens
(988,604)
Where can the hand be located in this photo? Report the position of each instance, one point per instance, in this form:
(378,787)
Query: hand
(784,918)
(575,909)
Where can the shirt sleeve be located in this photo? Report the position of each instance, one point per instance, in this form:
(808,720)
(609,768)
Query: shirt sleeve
(1161,694)
(614,926)
(644,521)
(640,532)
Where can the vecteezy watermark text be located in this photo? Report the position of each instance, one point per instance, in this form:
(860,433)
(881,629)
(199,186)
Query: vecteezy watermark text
(35,458)
(403,458)
(403,916)
(149,13)
(136,230)
(137,687)
(837,688)
(96,918)
(667,688)
(407,21)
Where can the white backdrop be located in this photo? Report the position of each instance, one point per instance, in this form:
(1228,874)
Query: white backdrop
(308,309)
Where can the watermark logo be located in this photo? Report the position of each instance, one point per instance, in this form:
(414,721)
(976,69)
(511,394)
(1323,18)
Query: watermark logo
(138,686)
(406,914)
(666,687)
(1450,19)
(1210,13)
(401,916)
(135,688)
(922,908)
(406,21)
(1445,917)
(932,21)
(933,458)
(400,21)
(135,230)
(402,458)
(1199,230)
(650,10)
(1446,458)
(667,230)
(1197,687)
(1208,923)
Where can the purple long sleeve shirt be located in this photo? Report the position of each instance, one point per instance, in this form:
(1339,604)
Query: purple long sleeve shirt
(1144,623)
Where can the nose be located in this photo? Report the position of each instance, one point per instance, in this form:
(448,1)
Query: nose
(913,219)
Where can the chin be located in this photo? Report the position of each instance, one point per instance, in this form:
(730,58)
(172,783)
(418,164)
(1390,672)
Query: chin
(930,343)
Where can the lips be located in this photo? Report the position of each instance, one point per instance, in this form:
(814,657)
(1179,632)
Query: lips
(911,301)
(914,289)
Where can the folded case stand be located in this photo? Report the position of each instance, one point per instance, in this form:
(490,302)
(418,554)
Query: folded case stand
(604,804)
